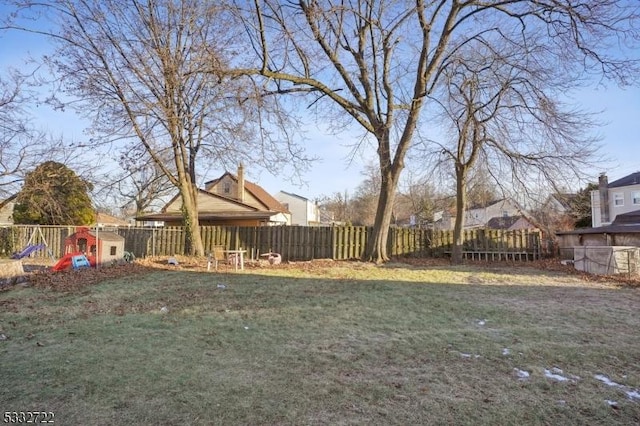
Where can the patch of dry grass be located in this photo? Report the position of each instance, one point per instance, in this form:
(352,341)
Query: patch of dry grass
(324,342)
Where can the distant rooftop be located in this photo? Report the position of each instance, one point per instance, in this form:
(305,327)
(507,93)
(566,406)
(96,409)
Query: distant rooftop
(632,179)
(295,195)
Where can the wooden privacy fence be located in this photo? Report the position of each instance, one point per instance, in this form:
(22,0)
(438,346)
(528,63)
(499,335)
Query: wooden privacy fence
(291,242)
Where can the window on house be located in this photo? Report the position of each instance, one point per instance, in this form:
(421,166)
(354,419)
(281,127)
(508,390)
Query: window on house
(227,187)
(635,197)
(618,199)
(505,213)
(112,250)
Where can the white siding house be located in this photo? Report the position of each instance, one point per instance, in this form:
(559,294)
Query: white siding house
(303,211)
(479,216)
(613,199)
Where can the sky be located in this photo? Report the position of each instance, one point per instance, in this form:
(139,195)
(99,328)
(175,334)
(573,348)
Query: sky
(336,170)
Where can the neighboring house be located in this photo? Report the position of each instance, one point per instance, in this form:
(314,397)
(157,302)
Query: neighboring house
(303,211)
(444,219)
(228,200)
(104,220)
(6,214)
(479,216)
(619,197)
(615,212)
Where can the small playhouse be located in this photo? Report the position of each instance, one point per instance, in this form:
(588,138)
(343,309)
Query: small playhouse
(98,246)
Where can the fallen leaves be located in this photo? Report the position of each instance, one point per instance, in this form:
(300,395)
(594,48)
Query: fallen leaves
(72,280)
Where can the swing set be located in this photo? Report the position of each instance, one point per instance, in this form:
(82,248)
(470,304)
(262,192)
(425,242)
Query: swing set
(32,247)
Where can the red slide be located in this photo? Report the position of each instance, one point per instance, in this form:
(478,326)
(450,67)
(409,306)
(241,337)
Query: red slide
(66,261)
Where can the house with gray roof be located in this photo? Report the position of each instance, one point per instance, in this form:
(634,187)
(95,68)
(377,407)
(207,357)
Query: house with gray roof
(620,197)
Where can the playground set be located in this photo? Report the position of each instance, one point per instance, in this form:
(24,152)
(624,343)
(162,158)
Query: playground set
(83,249)
(31,247)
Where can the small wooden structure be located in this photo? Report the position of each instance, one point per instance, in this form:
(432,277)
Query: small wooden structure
(610,235)
(98,246)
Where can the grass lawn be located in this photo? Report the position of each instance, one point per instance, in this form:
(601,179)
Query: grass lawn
(347,343)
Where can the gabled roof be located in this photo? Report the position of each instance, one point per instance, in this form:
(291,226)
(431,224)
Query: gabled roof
(256,190)
(291,194)
(505,222)
(490,203)
(264,197)
(216,180)
(106,219)
(609,229)
(632,179)
(208,194)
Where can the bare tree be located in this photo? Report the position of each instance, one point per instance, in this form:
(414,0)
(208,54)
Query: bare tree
(337,205)
(418,197)
(375,62)
(137,67)
(365,197)
(22,145)
(141,186)
(14,130)
(503,119)
(482,189)
(146,186)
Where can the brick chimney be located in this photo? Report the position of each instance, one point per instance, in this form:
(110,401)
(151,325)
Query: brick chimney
(240,183)
(603,189)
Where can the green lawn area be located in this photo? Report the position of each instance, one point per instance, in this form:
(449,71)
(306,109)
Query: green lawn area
(347,343)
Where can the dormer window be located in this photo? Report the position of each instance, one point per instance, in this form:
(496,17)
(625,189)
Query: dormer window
(227,188)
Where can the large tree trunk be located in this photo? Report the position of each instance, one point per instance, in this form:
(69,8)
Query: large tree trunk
(193,239)
(377,242)
(461,205)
